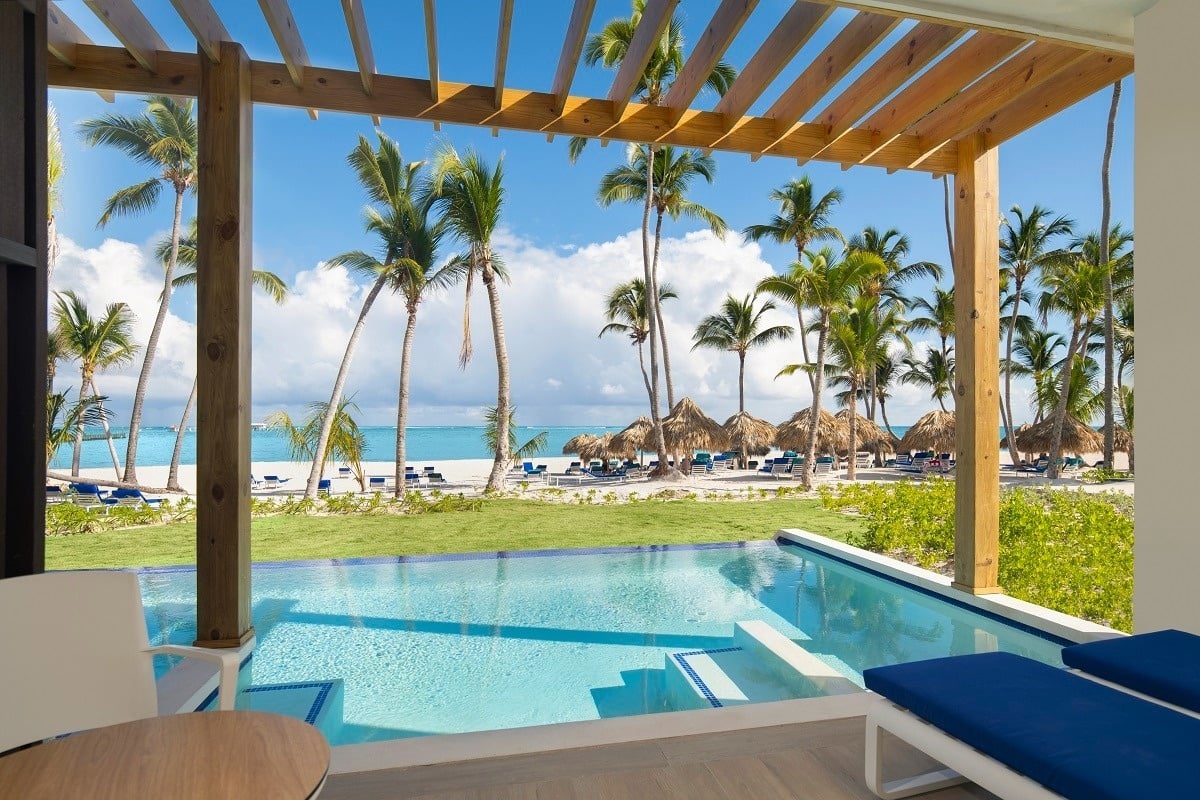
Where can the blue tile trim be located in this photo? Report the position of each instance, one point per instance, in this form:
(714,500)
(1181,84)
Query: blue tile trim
(323,687)
(481,556)
(1021,626)
(682,660)
(212,696)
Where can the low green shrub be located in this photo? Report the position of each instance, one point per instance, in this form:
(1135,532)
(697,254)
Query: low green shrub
(1069,551)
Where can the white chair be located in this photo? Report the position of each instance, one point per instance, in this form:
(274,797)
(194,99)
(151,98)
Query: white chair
(76,656)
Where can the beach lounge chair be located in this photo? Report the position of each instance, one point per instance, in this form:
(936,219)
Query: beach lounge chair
(324,486)
(55,495)
(376,483)
(131,498)
(87,495)
(1027,731)
(1160,665)
(412,480)
(344,472)
(435,478)
(76,655)
(273,481)
(824,468)
(863,460)
(782,469)
(699,469)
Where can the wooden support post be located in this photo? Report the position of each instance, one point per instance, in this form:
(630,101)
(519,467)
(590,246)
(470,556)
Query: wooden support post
(22,288)
(977,367)
(223,352)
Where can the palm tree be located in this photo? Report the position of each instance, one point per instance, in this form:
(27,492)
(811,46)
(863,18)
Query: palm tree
(491,429)
(674,172)
(164,137)
(1074,287)
(1124,337)
(471,197)
(1035,356)
(608,47)
(392,184)
(737,328)
(1024,250)
(97,344)
(55,352)
(1105,255)
(886,373)
(63,418)
(344,442)
(55,166)
(935,371)
(187,262)
(938,316)
(828,283)
(1084,397)
(801,220)
(627,314)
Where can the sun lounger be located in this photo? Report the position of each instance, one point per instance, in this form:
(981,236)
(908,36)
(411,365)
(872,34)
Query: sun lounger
(1028,731)
(273,481)
(131,498)
(782,469)
(606,477)
(824,469)
(344,472)
(1161,665)
(87,495)
(55,495)
(699,469)
(862,460)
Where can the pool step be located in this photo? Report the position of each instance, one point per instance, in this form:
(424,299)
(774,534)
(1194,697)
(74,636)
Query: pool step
(761,665)
(318,703)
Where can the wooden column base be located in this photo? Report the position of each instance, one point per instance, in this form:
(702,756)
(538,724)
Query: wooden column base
(226,643)
(976,589)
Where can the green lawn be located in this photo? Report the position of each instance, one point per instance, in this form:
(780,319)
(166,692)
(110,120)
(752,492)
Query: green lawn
(501,525)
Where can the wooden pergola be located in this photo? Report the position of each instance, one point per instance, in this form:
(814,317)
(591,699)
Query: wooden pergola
(939,100)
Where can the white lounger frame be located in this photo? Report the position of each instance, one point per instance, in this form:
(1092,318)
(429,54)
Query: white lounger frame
(968,764)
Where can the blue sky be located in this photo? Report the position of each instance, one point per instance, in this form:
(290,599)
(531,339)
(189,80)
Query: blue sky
(307,206)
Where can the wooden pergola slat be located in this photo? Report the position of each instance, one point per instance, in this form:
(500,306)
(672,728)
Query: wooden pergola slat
(791,33)
(568,60)
(287,36)
(728,19)
(62,35)
(966,110)
(431,48)
(939,83)
(360,40)
(131,28)
(202,20)
(654,21)
(849,47)
(503,34)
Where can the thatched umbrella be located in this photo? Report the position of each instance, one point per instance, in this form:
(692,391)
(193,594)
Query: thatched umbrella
(577,444)
(688,429)
(749,435)
(636,436)
(1076,437)
(1122,439)
(867,435)
(1024,426)
(832,433)
(604,448)
(934,431)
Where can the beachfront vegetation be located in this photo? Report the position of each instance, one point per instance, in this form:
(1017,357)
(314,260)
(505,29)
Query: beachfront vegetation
(1069,551)
(165,138)
(626,312)
(344,441)
(738,328)
(484,525)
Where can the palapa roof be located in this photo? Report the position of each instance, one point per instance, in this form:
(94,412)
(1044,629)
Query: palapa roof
(867,435)
(605,447)
(1076,437)
(832,433)
(749,435)
(637,436)
(576,444)
(1122,439)
(934,431)
(689,428)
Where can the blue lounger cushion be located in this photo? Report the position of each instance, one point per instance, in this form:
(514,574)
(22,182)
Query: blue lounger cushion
(1163,664)
(1072,735)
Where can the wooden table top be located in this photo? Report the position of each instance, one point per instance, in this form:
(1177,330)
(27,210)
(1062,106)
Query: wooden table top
(200,755)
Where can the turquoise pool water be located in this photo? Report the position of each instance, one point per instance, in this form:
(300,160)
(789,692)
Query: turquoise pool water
(464,643)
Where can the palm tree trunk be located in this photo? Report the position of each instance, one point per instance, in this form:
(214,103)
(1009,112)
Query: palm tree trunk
(949,226)
(180,433)
(503,410)
(812,383)
(112,448)
(850,473)
(51,246)
(78,447)
(1105,256)
(658,315)
(883,413)
(741,382)
(810,450)
(410,329)
(660,443)
(339,384)
(139,395)
(1060,409)
(1013,454)
(645,375)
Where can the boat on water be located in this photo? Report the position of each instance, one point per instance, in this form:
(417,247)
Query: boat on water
(92,437)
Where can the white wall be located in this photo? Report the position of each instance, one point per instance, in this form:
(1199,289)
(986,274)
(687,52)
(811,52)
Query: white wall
(1167,203)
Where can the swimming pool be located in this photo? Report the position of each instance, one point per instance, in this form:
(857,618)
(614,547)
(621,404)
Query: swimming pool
(446,644)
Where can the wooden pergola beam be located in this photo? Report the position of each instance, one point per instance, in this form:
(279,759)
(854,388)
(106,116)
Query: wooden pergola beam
(62,35)
(360,40)
(728,19)
(132,30)
(568,59)
(977,371)
(463,104)
(791,33)
(1081,79)
(1023,72)
(503,34)
(223,228)
(431,48)
(287,36)
(939,83)
(202,20)
(840,56)
(654,21)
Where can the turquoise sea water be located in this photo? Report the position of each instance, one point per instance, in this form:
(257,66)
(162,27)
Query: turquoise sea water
(462,643)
